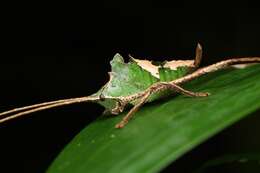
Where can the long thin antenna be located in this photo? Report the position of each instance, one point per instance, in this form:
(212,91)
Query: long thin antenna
(33,106)
(44,106)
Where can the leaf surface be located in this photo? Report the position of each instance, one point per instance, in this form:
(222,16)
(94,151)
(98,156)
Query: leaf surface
(163,131)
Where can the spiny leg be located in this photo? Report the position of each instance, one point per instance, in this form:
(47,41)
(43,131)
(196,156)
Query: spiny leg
(154,89)
(181,90)
(215,67)
(130,114)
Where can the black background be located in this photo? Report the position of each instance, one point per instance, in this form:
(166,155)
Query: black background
(59,51)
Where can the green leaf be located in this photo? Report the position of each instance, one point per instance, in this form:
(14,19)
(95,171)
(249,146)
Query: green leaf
(163,131)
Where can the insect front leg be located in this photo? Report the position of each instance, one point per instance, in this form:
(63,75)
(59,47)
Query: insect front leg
(120,106)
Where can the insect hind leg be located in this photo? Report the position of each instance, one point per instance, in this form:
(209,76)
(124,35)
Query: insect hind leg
(154,89)
(179,89)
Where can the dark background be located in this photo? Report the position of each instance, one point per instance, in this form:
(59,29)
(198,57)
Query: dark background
(59,51)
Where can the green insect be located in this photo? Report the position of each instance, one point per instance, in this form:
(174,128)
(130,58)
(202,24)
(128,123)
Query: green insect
(137,82)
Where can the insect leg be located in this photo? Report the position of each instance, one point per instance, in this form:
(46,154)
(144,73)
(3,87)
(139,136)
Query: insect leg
(181,90)
(130,114)
(215,67)
(154,89)
(43,106)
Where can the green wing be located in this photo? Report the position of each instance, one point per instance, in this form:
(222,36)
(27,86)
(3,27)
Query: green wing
(133,77)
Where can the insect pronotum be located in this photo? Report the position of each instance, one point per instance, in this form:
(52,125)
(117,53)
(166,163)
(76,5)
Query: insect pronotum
(137,99)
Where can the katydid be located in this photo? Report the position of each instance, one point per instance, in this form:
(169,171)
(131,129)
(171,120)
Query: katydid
(137,82)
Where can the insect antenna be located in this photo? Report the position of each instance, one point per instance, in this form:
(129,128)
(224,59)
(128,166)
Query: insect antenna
(18,112)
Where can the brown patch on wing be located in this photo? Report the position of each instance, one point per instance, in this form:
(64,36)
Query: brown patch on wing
(173,65)
(154,69)
(148,66)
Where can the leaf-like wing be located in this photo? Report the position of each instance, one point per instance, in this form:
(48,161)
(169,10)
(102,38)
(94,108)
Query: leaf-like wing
(136,76)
